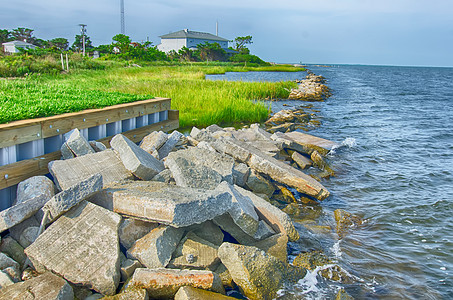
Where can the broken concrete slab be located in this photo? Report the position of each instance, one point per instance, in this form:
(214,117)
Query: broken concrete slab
(276,246)
(242,211)
(259,185)
(188,174)
(264,231)
(191,293)
(97,146)
(154,250)
(65,200)
(6,262)
(132,229)
(164,283)
(45,286)
(171,142)
(301,160)
(153,141)
(5,280)
(66,153)
(277,219)
(164,176)
(164,203)
(14,250)
(82,246)
(72,171)
(77,143)
(33,187)
(312,142)
(28,236)
(194,252)
(241,173)
(228,225)
(131,293)
(221,163)
(225,276)
(258,275)
(135,159)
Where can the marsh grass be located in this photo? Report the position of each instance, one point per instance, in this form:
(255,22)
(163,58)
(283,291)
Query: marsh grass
(200,102)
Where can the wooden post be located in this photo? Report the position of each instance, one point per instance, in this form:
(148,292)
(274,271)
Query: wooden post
(62,62)
(67,62)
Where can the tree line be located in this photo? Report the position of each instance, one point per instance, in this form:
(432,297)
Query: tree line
(122,48)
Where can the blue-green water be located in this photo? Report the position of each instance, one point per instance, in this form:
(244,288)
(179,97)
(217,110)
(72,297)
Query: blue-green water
(396,172)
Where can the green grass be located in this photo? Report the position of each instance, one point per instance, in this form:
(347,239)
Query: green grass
(200,102)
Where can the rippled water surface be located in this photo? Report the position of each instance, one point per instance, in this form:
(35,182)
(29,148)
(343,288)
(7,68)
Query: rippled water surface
(395,172)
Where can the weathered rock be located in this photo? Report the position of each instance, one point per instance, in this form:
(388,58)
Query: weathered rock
(77,143)
(221,163)
(34,187)
(16,231)
(65,200)
(323,146)
(345,220)
(82,246)
(164,283)
(46,286)
(29,273)
(6,262)
(72,171)
(171,142)
(277,219)
(258,275)
(285,127)
(164,203)
(188,174)
(207,231)
(321,163)
(132,229)
(154,250)
(131,293)
(164,176)
(227,224)
(191,293)
(195,253)
(153,141)
(5,281)
(135,159)
(66,153)
(264,231)
(13,273)
(28,236)
(97,146)
(241,173)
(343,295)
(260,185)
(301,160)
(11,247)
(242,211)
(276,246)
(128,267)
(275,169)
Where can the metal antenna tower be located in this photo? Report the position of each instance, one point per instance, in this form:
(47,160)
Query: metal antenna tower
(123,26)
(83,31)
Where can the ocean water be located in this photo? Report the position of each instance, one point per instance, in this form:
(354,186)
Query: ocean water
(395,170)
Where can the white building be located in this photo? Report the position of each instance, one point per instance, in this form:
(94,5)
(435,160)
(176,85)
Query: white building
(189,39)
(14,46)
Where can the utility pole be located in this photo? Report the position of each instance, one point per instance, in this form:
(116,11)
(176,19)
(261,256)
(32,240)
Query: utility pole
(123,26)
(83,31)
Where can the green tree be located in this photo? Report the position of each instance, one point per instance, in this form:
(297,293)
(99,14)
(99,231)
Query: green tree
(210,52)
(42,43)
(5,36)
(78,43)
(59,43)
(23,34)
(185,54)
(122,42)
(240,42)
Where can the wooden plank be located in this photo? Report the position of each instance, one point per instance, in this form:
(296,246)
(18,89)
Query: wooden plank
(20,135)
(173,114)
(59,124)
(16,172)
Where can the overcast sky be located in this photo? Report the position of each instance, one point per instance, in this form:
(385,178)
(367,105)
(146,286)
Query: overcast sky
(383,32)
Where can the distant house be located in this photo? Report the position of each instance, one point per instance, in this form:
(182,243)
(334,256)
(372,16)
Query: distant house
(190,39)
(14,46)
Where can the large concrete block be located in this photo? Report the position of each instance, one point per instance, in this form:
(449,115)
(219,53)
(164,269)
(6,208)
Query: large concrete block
(323,146)
(228,225)
(77,143)
(45,286)
(207,231)
(164,283)
(82,246)
(11,247)
(155,249)
(277,219)
(132,229)
(191,293)
(36,186)
(171,142)
(135,159)
(164,203)
(65,200)
(72,171)
(153,141)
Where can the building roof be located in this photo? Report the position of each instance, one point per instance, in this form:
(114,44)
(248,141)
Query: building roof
(18,43)
(186,33)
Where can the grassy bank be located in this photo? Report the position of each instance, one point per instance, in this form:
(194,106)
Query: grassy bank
(200,102)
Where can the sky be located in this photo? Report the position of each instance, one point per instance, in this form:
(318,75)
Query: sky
(384,32)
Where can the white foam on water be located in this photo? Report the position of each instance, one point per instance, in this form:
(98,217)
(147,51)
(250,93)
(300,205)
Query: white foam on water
(336,250)
(309,282)
(349,142)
